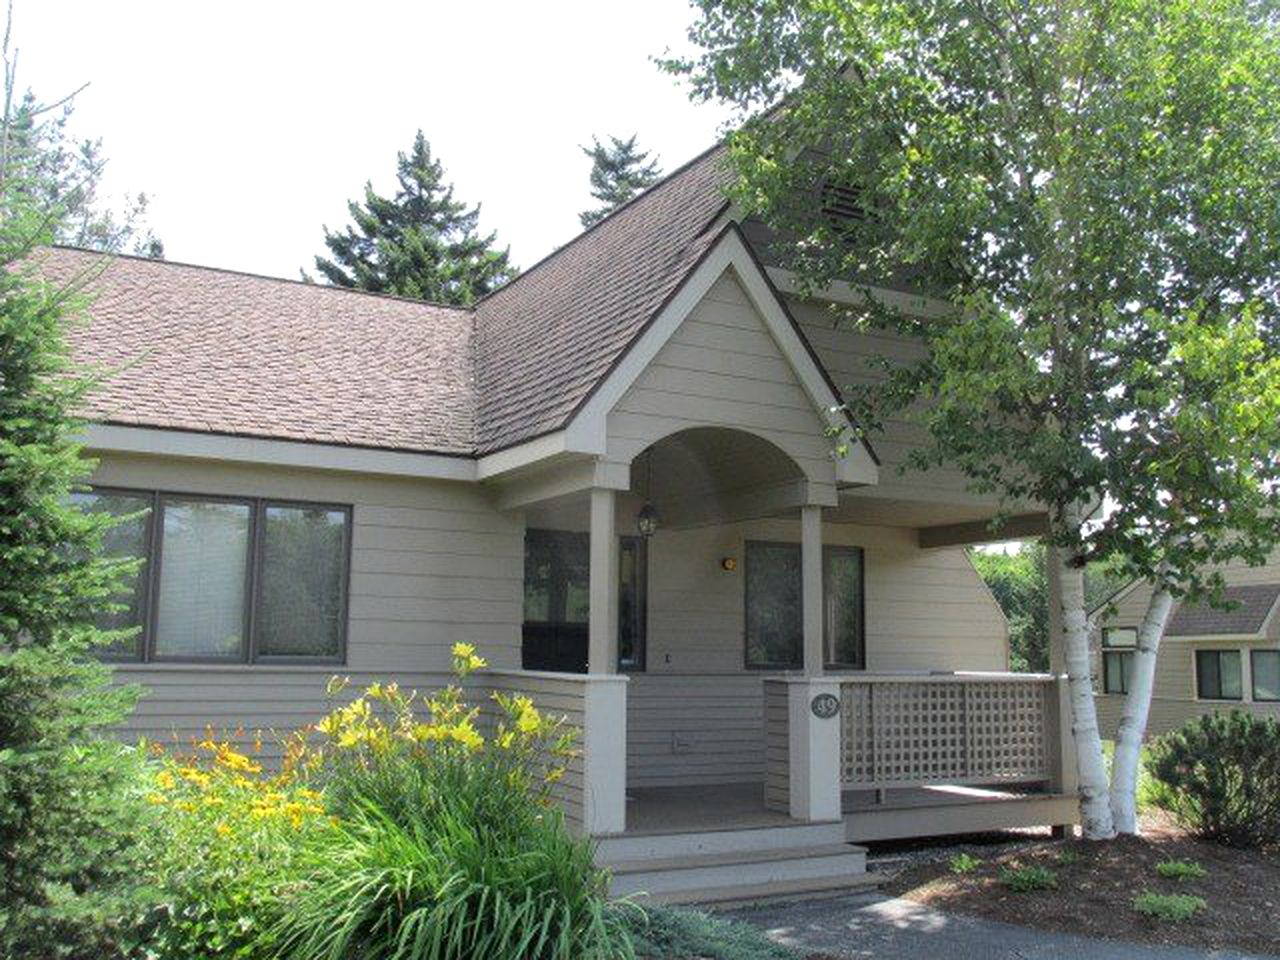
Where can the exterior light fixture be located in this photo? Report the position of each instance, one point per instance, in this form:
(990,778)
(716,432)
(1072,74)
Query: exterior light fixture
(647,520)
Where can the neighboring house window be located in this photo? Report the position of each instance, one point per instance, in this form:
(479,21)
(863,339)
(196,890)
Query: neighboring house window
(774,609)
(1118,645)
(227,579)
(1265,666)
(557,575)
(1219,675)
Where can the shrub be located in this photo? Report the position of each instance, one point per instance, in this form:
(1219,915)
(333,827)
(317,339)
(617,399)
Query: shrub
(227,851)
(964,863)
(1174,907)
(1222,774)
(675,934)
(446,844)
(1068,857)
(1180,870)
(1027,879)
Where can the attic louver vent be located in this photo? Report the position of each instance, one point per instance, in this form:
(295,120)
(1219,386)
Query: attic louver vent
(843,206)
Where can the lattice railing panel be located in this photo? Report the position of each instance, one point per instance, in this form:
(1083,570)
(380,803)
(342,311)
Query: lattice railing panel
(918,731)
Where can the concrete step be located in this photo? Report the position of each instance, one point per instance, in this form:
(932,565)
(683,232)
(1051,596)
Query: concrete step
(696,874)
(610,850)
(743,895)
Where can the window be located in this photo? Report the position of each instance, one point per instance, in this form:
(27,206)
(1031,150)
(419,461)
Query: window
(774,611)
(231,580)
(128,538)
(1118,644)
(845,616)
(300,608)
(1218,675)
(557,580)
(1266,674)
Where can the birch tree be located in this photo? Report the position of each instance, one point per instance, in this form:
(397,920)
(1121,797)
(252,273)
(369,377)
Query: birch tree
(1091,185)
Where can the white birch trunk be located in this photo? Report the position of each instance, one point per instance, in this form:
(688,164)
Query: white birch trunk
(1137,706)
(1095,806)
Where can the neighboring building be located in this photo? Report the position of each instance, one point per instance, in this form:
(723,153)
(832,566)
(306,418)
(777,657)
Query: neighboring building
(1209,659)
(615,477)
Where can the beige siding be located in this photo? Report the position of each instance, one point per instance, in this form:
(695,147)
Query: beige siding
(777,746)
(1173,700)
(846,354)
(557,697)
(431,564)
(695,716)
(722,368)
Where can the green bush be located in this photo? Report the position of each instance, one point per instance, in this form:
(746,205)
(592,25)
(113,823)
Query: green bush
(1068,857)
(964,863)
(1180,870)
(1221,774)
(446,845)
(674,934)
(1028,879)
(1174,907)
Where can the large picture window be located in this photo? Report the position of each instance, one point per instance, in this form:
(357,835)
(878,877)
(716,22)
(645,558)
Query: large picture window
(1219,675)
(774,610)
(1118,646)
(557,580)
(228,580)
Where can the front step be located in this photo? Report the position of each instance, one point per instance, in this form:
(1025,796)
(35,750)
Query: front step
(741,873)
(650,846)
(744,895)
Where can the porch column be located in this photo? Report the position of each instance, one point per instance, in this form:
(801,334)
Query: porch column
(602,615)
(811,587)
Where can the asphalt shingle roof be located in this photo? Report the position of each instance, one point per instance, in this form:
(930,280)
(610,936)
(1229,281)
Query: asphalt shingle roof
(1251,604)
(196,348)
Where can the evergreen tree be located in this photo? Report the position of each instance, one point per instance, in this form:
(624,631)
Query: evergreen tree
(421,243)
(618,172)
(70,804)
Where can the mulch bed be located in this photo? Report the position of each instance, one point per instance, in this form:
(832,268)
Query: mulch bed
(1094,896)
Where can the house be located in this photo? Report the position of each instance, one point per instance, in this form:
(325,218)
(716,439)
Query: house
(615,476)
(1209,659)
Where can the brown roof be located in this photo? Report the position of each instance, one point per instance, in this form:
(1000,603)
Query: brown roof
(544,340)
(1249,608)
(196,348)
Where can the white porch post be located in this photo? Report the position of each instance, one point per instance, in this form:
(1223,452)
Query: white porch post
(811,587)
(604,735)
(602,617)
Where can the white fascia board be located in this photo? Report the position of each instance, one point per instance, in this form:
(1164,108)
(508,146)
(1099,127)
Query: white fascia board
(192,444)
(841,291)
(588,429)
(522,455)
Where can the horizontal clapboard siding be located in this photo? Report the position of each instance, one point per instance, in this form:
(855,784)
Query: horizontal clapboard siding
(432,563)
(558,698)
(777,746)
(721,368)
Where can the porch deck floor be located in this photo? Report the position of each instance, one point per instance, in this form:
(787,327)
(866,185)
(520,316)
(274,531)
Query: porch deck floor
(740,806)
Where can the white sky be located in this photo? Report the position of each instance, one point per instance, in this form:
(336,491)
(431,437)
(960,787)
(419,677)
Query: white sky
(251,124)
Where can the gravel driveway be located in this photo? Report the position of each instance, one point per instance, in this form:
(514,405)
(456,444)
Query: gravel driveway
(873,925)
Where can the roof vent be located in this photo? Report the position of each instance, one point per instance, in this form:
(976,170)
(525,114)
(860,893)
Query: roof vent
(843,206)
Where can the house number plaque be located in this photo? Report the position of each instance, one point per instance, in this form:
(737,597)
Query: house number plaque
(825,705)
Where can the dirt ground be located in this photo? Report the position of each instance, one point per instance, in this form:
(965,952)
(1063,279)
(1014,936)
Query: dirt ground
(1096,888)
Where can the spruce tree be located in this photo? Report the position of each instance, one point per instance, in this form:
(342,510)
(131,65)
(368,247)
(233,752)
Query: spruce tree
(618,172)
(70,799)
(421,243)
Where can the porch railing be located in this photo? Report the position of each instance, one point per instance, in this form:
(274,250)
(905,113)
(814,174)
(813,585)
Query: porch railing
(909,730)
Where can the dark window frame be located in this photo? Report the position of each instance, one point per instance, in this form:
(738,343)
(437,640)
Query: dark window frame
(1119,654)
(1253,675)
(248,654)
(558,594)
(1200,678)
(828,550)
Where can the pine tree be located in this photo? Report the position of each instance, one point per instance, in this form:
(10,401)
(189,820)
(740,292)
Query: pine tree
(618,172)
(421,243)
(70,798)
